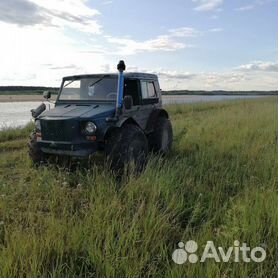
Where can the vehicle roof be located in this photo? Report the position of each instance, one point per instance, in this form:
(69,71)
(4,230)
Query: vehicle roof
(132,75)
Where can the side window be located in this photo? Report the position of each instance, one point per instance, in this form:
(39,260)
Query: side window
(144,89)
(151,90)
(148,90)
(132,88)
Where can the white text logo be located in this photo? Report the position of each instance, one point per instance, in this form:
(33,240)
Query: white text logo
(236,253)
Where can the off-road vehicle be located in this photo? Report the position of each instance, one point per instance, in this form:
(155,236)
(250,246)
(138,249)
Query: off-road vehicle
(120,114)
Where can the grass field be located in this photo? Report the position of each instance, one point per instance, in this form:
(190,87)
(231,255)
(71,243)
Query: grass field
(219,183)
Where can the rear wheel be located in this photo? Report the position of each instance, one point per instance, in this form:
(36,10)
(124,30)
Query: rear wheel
(35,154)
(160,140)
(127,145)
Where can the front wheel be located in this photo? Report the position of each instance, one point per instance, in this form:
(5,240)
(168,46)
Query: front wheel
(160,140)
(127,145)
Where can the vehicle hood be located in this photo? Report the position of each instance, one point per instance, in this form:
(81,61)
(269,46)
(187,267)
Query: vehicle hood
(79,111)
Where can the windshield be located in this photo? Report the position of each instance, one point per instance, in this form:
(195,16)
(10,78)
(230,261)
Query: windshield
(99,89)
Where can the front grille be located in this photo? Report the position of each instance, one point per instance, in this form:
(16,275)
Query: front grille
(59,130)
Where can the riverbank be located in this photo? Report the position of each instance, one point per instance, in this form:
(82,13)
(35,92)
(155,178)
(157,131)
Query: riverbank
(26,98)
(20,98)
(221,93)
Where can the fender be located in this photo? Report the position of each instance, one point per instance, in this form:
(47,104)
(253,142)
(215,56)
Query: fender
(126,120)
(122,121)
(153,118)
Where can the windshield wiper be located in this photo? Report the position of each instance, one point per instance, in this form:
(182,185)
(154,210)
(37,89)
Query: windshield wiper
(94,83)
(68,83)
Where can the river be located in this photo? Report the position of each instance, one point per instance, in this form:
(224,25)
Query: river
(16,114)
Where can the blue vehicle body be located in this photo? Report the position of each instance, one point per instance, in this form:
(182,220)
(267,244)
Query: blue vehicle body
(62,130)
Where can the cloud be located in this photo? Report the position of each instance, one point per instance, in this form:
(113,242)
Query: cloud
(46,40)
(260,66)
(107,2)
(45,54)
(58,13)
(232,80)
(184,32)
(229,80)
(264,79)
(216,30)
(245,8)
(215,78)
(21,13)
(162,73)
(210,77)
(168,42)
(160,43)
(175,75)
(253,5)
(207,5)
(71,66)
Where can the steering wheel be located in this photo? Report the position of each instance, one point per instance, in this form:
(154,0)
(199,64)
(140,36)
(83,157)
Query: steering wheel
(109,96)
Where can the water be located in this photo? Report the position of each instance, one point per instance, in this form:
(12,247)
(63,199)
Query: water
(16,114)
(194,98)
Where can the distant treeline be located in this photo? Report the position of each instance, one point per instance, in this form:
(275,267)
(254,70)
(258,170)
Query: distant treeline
(218,92)
(26,90)
(35,90)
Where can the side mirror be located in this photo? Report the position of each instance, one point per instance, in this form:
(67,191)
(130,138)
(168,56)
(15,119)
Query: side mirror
(128,102)
(47,94)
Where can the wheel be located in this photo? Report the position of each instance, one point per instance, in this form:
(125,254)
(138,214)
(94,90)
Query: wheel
(35,154)
(160,140)
(127,145)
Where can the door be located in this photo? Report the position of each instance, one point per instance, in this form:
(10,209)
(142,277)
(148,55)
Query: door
(149,99)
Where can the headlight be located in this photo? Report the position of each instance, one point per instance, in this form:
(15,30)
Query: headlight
(38,125)
(90,128)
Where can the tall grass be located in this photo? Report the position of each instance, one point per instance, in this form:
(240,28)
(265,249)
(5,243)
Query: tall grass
(219,183)
(7,134)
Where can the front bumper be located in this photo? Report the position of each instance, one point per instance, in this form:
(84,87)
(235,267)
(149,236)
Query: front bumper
(68,148)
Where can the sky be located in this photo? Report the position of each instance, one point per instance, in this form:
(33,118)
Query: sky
(190,44)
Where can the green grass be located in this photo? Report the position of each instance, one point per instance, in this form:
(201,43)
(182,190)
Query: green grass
(8,135)
(219,183)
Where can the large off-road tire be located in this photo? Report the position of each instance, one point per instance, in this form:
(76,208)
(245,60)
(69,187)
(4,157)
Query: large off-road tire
(127,146)
(160,140)
(35,154)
